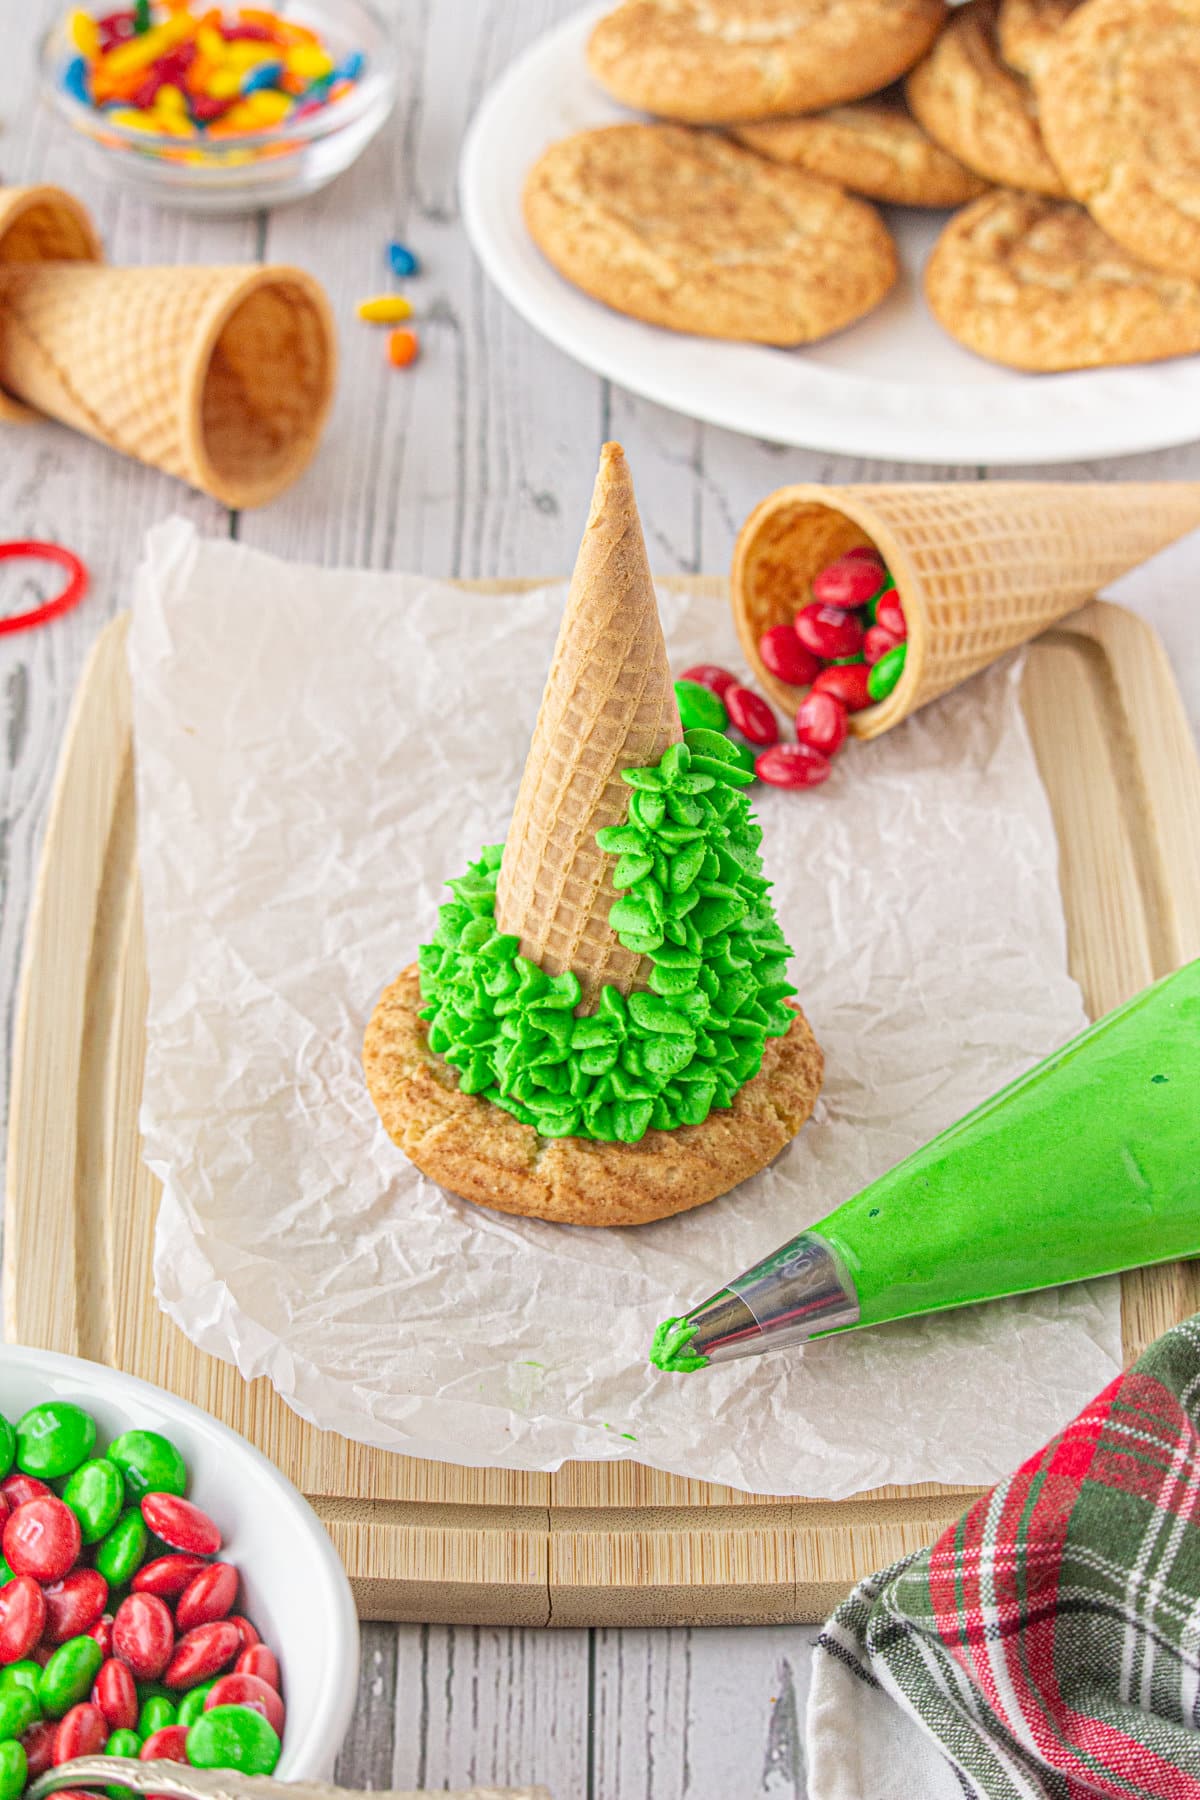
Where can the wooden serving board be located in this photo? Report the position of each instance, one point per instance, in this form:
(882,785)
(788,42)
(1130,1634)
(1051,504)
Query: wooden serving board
(609,1543)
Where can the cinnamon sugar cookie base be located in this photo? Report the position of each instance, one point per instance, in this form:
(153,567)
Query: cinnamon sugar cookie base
(480,1152)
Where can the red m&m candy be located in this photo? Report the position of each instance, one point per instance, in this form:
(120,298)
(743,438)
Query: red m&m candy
(42,1538)
(181,1524)
(848,683)
(792,766)
(829,631)
(890,615)
(144,1635)
(878,642)
(786,657)
(750,714)
(850,581)
(821,723)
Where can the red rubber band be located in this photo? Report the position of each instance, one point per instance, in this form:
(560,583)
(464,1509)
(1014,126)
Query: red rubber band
(71,595)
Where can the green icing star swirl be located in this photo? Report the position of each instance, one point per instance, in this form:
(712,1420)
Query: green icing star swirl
(693,899)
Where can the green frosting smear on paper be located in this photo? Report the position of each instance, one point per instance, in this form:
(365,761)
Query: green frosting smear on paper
(693,899)
(669,1351)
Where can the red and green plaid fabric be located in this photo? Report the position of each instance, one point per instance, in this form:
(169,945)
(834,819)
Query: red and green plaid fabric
(1050,1640)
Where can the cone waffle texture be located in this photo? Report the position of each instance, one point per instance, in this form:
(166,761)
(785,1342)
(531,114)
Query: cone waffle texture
(609,705)
(222,376)
(980,566)
(42,224)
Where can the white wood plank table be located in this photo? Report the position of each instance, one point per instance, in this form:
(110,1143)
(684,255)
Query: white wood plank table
(477,462)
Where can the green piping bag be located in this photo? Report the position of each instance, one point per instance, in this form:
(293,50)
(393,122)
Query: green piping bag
(1086,1165)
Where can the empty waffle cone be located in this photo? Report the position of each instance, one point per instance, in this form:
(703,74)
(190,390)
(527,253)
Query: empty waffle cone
(221,376)
(609,705)
(42,224)
(979,566)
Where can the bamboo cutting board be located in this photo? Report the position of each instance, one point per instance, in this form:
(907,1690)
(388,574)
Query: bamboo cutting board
(610,1543)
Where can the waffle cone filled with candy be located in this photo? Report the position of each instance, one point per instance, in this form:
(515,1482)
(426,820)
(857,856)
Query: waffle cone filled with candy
(601,1029)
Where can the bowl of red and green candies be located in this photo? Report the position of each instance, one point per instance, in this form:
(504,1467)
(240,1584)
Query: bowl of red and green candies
(165,1593)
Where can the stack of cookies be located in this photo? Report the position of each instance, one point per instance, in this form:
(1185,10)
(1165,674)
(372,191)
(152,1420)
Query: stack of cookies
(1068,134)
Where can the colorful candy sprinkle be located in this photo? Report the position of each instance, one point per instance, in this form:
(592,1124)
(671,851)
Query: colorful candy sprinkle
(384,309)
(401,260)
(403,348)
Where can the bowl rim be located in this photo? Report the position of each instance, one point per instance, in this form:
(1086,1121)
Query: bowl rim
(312,1742)
(377,85)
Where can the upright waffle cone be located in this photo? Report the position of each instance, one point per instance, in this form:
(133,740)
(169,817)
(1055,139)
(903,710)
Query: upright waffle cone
(980,566)
(222,376)
(609,705)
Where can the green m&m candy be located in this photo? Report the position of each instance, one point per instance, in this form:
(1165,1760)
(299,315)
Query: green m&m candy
(14,1769)
(54,1438)
(8,1446)
(26,1674)
(233,1737)
(192,1704)
(886,672)
(699,708)
(19,1709)
(157,1713)
(7,1573)
(120,1553)
(96,1494)
(68,1676)
(149,1462)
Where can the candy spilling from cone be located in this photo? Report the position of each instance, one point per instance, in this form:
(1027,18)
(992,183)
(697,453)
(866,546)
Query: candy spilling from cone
(221,376)
(981,567)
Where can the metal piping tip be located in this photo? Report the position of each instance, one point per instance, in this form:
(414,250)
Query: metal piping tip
(801,1291)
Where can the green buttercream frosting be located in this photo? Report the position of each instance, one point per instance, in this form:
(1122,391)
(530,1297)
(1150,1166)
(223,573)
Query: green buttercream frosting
(692,898)
(669,1351)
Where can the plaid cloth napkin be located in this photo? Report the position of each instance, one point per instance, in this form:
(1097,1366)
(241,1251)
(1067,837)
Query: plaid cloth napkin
(1048,1645)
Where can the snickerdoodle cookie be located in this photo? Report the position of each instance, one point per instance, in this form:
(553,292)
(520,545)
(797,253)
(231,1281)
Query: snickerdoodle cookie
(714,62)
(684,229)
(482,1153)
(1027,29)
(1120,103)
(979,110)
(1036,284)
(874,147)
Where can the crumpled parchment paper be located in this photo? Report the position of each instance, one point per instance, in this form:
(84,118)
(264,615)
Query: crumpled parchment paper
(317,751)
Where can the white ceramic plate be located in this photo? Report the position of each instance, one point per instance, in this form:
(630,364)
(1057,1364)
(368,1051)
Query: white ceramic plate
(894,386)
(294,1587)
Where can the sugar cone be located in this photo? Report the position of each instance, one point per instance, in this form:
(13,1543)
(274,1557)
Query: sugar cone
(221,376)
(980,566)
(42,224)
(609,705)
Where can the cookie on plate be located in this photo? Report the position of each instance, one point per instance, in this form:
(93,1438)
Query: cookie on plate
(1120,103)
(1027,29)
(1035,283)
(979,110)
(874,147)
(482,1153)
(715,62)
(684,229)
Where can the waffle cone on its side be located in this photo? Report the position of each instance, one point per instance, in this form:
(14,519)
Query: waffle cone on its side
(609,705)
(980,566)
(220,376)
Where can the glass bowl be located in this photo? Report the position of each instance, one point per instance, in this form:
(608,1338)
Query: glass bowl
(262,168)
